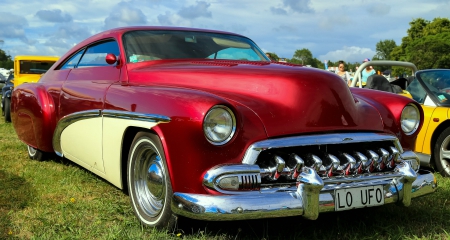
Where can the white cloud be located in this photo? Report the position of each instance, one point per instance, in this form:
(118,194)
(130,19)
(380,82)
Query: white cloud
(125,14)
(278,11)
(300,6)
(200,9)
(54,15)
(348,54)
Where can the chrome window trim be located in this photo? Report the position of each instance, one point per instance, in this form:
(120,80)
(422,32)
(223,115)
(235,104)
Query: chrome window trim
(251,155)
(88,114)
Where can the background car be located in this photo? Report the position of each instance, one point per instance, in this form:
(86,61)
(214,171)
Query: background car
(201,124)
(2,80)
(28,69)
(6,97)
(431,89)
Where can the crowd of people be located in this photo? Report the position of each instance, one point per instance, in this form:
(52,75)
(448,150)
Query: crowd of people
(344,74)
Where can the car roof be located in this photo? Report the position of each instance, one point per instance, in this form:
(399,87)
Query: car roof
(117,32)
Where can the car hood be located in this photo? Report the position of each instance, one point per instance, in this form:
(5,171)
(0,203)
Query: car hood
(288,99)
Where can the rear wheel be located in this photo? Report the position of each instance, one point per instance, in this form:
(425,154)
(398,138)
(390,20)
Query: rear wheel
(3,108)
(7,110)
(35,153)
(148,182)
(442,153)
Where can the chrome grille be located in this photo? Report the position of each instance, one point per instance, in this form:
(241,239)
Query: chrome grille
(283,164)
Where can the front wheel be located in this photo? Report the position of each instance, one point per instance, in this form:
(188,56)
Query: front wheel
(7,109)
(442,153)
(148,182)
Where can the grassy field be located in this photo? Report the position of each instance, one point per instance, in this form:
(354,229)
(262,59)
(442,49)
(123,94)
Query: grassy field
(57,199)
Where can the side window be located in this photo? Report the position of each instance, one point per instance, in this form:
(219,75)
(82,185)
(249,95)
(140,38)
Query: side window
(94,56)
(73,61)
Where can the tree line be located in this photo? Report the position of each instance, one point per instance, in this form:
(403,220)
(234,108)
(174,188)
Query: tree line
(6,61)
(427,45)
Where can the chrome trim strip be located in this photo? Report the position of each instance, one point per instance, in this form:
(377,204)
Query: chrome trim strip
(136,116)
(283,203)
(83,115)
(255,149)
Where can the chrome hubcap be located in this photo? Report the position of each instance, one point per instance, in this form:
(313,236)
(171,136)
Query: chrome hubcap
(444,154)
(149,180)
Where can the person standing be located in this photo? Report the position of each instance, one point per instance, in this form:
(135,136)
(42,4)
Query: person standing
(366,72)
(342,73)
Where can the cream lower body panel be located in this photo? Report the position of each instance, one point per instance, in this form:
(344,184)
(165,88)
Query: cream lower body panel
(93,139)
(81,142)
(113,132)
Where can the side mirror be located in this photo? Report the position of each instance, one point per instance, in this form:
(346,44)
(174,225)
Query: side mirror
(111,58)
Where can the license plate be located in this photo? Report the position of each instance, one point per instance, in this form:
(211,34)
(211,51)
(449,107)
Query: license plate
(349,198)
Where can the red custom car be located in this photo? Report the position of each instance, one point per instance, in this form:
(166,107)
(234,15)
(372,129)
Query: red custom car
(201,124)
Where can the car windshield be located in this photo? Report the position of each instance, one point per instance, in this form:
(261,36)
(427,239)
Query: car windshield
(157,45)
(435,83)
(34,67)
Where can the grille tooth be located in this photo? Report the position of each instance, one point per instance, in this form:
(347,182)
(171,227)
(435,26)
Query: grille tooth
(362,162)
(349,165)
(331,164)
(394,157)
(374,160)
(384,158)
(279,167)
(299,163)
(314,162)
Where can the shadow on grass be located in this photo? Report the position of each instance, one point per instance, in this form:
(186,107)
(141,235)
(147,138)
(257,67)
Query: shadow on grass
(15,194)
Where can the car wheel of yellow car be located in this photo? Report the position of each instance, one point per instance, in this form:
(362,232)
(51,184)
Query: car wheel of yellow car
(148,182)
(35,153)
(442,153)
(7,110)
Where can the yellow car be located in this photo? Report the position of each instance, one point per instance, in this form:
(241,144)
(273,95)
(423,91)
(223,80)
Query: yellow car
(27,69)
(431,88)
(30,68)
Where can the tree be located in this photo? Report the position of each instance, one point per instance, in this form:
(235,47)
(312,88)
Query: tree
(384,49)
(427,44)
(303,56)
(432,51)
(5,60)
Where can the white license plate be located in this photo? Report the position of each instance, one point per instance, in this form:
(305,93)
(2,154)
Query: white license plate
(349,198)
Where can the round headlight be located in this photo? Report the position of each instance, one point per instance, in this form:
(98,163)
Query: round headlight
(410,119)
(219,125)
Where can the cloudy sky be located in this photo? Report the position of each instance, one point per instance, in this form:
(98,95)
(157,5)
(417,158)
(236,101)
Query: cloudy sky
(332,30)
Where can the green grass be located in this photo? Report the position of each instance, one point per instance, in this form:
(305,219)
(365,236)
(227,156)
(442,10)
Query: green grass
(57,199)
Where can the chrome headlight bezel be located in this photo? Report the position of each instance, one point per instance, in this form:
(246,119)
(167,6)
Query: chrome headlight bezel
(410,119)
(210,123)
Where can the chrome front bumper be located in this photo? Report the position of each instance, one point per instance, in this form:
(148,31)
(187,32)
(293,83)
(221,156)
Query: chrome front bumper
(308,199)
